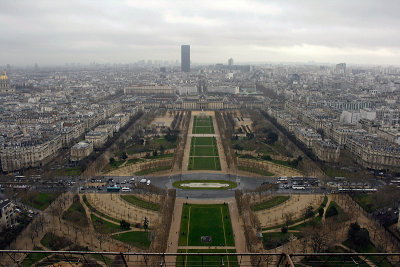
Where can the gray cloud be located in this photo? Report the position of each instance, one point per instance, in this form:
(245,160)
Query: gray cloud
(55,32)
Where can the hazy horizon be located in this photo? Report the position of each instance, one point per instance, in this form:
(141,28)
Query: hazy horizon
(59,32)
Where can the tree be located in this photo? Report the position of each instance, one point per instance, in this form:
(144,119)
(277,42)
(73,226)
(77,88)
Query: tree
(162,150)
(359,236)
(124,224)
(332,211)
(308,213)
(272,138)
(145,224)
(321,212)
(124,156)
(112,160)
(155,153)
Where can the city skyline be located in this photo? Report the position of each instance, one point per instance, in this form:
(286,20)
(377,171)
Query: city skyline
(55,33)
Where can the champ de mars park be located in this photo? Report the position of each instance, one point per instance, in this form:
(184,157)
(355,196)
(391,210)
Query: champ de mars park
(202,182)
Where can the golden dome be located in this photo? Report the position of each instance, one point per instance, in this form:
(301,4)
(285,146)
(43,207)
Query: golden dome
(3,75)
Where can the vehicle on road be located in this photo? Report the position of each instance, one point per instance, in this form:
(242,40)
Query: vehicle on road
(148,182)
(113,189)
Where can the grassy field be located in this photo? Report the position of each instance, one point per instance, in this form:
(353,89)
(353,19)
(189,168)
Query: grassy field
(139,239)
(103,226)
(75,171)
(203,125)
(193,261)
(203,141)
(369,248)
(201,151)
(275,201)
(39,200)
(204,163)
(32,258)
(54,242)
(366,201)
(76,213)
(277,239)
(206,220)
(231,184)
(141,203)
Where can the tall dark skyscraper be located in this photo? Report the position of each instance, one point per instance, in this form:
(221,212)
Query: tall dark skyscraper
(185,58)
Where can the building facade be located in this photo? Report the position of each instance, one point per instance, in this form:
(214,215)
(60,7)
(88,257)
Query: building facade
(185,58)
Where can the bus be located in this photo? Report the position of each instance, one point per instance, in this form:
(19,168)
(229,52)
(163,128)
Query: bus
(113,188)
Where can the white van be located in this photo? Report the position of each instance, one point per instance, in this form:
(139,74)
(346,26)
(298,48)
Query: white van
(126,189)
(143,180)
(148,182)
(132,180)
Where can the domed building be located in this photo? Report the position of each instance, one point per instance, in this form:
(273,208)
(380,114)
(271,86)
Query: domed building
(5,87)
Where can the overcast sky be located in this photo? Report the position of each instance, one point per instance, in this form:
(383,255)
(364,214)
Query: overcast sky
(66,31)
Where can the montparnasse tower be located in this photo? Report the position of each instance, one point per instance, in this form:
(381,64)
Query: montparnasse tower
(5,87)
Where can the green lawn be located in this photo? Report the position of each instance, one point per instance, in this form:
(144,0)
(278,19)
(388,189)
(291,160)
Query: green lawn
(277,239)
(206,220)
(103,226)
(55,242)
(204,163)
(141,203)
(369,248)
(204,151)
(261,172)
(39,200)
(231,184)
(275,201)
(32,258)
(366,201)
(331,205)
(203,141)
(75,171)
(76,214)
(203,130)
(138,239)
(193,261)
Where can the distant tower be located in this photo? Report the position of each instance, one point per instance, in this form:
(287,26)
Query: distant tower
(341,68)
(185,58)
(230,61)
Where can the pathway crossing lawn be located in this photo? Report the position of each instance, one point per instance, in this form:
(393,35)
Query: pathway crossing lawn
(189,261)
(39,200)
(139,239)
(206,220)
(203,141)
(103,226)
(205,151)
(204,163)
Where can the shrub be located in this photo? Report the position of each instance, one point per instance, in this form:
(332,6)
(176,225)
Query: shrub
(332,211)
(321,212)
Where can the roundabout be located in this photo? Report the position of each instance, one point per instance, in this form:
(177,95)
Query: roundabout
(205,184)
